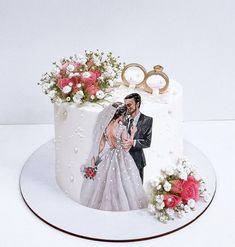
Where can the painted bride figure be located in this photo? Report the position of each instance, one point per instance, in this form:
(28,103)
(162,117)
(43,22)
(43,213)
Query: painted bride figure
(117,184)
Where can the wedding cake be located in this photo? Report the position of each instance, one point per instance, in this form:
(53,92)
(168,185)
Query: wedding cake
(80,88)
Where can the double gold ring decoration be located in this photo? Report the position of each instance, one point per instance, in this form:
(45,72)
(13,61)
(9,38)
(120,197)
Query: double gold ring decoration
(157,70)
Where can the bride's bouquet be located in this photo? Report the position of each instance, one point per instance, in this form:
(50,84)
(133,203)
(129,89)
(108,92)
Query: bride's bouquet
(82,78)
(176,191)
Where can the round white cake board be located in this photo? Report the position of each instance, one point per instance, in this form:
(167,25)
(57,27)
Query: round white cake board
(47,201)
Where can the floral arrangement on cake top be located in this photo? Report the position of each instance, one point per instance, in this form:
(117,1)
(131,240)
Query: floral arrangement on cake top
(82,78)
(176,191)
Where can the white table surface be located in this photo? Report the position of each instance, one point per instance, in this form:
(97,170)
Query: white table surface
(20,227)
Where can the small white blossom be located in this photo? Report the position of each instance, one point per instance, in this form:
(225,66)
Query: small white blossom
(56,71)
(167,186)
(191,203)
(76,74)
(180,168)
(159,187)
(170,212)
(169,171)
(71,75)
(92,97)
(58,100)
(100,94)
(68,99)
(181,213)
(66,89)
(52,94)
(160,205)
(78,96)
(206,197)
(86,74)
(183,175)
(154,182)
(186,208)
(159,198)
(163,218)
(71,67)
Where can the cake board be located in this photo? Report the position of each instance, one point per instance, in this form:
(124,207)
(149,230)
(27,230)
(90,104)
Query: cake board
(48,202)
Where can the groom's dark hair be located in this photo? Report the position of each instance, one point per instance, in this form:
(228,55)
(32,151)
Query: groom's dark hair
(134,96)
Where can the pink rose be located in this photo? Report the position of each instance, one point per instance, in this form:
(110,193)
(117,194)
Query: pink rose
(190,190)
(171,201)
(72,82)
(97,73)
(177,186)
(92,90)
(88,80)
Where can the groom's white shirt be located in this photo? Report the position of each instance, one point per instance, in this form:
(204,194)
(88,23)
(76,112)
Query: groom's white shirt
(135,121)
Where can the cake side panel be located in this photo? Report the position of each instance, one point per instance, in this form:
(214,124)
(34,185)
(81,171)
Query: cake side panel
(167,136)
(73,141)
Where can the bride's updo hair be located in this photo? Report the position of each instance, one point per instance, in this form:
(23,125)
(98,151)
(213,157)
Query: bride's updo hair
(121,110)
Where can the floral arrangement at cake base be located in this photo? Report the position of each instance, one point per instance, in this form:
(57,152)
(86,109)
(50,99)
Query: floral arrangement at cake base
(176,191)
(82,78)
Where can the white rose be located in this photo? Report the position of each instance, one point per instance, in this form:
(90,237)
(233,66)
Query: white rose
(169,171)
(70,68)
(167,186)
(191,203)
(86,74)
(100,94)
(66,89)
(151,209)
(183,175)
(160,206)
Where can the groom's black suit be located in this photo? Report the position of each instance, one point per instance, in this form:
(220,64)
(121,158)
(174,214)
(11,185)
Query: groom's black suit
(142,138)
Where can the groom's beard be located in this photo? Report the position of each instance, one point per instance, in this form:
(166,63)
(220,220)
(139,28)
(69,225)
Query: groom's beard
(133,111)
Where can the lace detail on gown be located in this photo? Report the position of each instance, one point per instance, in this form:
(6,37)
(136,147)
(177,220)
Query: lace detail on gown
(117,185)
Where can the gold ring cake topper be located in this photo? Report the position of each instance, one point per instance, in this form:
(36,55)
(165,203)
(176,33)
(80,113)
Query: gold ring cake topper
(157,70)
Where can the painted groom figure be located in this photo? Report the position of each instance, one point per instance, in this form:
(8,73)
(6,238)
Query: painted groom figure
(143,135)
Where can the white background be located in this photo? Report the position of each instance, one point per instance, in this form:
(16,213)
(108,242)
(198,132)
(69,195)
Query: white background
(193,40)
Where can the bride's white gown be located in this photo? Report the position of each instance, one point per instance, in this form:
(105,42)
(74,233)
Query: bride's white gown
(117,185)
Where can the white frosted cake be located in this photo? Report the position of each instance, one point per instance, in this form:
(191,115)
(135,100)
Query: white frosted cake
(74,125)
